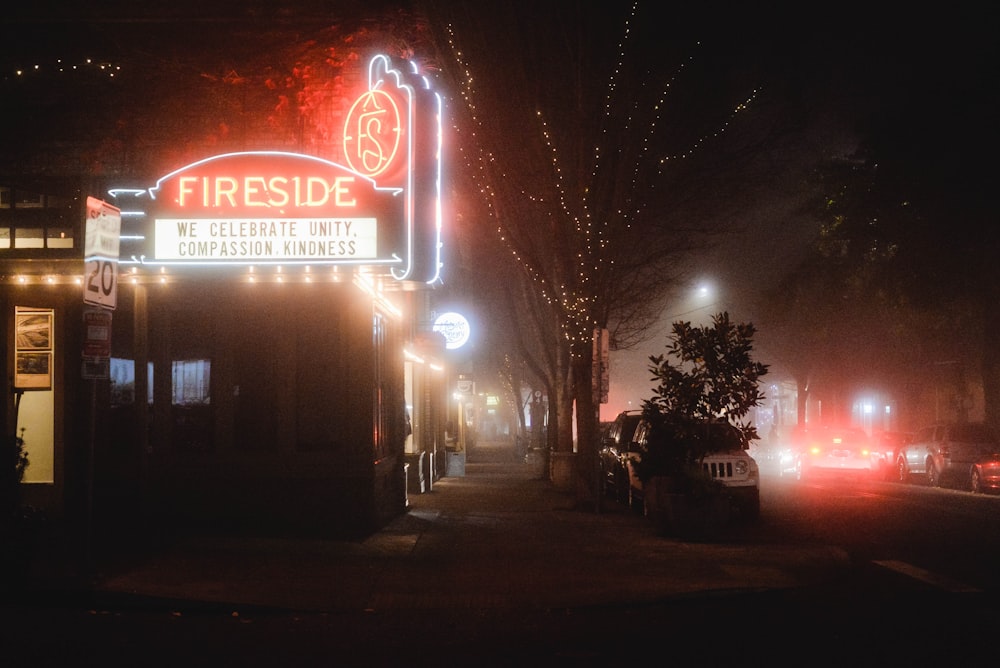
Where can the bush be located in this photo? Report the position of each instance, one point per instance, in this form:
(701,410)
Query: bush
(702,394)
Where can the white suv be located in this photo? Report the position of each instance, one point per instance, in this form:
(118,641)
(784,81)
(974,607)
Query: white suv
(734,468)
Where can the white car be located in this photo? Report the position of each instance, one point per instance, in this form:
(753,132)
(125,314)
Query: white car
(734,468)
(835,451)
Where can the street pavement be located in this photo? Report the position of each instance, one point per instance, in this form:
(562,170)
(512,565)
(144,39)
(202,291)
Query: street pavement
(496,566)
(497,537)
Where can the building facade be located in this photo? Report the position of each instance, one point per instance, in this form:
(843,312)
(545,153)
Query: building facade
(239,342)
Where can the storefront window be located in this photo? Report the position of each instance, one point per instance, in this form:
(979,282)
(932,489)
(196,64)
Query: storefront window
(122,375)
(191,382)
(59,237)
(29,237)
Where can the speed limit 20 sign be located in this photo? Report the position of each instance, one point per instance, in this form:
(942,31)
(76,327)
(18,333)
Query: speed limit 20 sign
(103,232)
(100,283)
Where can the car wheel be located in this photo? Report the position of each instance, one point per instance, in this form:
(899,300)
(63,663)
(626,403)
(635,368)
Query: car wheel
(976,482)
(933,477)
(902,473)
(751,510)
(610,483)
(635,501)
(621,489)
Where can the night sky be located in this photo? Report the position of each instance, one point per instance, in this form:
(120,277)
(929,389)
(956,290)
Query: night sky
(915,89)
(917,86)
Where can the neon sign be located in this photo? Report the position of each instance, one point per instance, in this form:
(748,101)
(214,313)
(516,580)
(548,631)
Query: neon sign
(276,191)
(372,133)
(381,208)
(247,208)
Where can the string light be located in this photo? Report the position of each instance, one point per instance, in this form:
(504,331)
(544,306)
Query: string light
(589,229)
(88,65)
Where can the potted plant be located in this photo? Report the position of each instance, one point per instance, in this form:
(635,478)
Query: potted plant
(13,462)
(706,384)
(14,550)
(679,497)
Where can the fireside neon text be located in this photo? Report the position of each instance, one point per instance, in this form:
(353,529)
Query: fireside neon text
(221,192)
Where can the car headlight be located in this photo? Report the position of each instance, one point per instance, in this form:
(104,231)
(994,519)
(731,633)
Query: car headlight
(742,467)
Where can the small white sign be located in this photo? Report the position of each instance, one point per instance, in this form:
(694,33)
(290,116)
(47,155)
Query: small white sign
(455,329)
(103,229)
(281,239)
(103,234)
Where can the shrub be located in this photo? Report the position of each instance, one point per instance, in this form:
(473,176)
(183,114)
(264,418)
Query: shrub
(13,462)
(707,383)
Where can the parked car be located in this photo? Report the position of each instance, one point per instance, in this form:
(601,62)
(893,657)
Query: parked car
(985,474)
(946,453)
(730,464)
(830,450)
(614,454)
(885,451)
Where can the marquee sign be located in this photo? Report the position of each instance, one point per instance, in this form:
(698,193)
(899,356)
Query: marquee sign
(382,208)
(274,207)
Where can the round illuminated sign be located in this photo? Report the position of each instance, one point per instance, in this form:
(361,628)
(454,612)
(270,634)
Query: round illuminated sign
(455,329)
(372,133)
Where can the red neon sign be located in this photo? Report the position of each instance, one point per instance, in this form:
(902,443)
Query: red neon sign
(266,184)
(381,208)
(373,133)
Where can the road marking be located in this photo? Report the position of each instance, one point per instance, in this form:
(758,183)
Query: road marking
(933,579)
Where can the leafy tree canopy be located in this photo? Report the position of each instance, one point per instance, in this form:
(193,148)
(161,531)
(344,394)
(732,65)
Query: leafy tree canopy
(707,384)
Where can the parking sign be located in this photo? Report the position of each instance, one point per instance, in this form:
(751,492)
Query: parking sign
(103,231)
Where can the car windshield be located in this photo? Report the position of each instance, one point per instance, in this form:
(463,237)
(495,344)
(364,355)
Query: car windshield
(723,437)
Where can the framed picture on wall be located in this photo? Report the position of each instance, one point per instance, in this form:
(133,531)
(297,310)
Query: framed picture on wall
(34,371)
(33,349)
(34,330)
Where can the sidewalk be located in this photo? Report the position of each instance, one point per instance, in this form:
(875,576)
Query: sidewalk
(496,538)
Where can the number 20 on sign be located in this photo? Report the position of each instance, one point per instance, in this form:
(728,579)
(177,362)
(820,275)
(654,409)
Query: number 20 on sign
(100,282)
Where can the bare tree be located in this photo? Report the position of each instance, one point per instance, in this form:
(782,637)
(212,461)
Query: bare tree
(561,126)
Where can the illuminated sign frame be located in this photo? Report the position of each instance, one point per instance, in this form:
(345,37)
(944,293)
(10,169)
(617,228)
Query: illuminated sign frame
(272,207)
(282,208)
(455,329)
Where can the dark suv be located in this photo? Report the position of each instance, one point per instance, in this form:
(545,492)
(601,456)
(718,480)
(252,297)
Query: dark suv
(614,455)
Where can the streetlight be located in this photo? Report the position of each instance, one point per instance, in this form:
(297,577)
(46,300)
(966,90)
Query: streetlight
(703,296)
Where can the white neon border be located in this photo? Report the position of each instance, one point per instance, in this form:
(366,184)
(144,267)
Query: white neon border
(393,259)
(379,68)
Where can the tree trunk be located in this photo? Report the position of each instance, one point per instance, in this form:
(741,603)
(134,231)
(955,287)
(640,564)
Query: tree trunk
(991,366)
(586,432)
(563,433)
